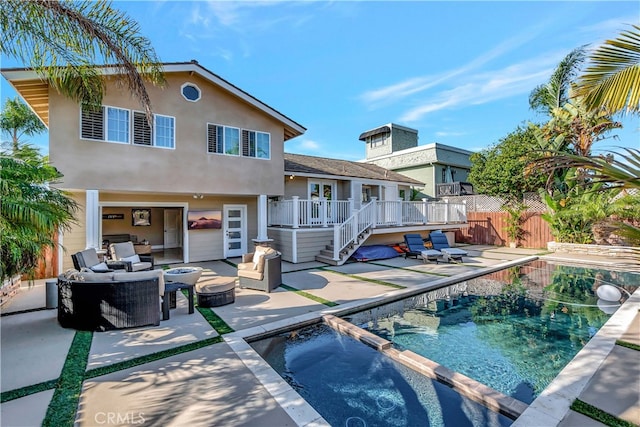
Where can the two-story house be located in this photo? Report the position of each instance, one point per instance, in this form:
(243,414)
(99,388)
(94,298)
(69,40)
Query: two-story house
(443,169)
(213,151)
(209,178)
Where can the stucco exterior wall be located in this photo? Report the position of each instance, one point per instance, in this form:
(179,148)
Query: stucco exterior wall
(88,164)
(204,245)
(74,240)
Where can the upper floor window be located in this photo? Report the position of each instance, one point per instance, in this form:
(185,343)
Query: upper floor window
(256,144)
(377,140)
(190,92)
(165,131)
(105,124)
(116,125)
(223,140)
(162,134)
(226,140)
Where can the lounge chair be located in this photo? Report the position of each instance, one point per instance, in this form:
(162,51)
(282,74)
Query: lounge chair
(260,270)
(440,243)
(415,246)
(126,253)
(88,259)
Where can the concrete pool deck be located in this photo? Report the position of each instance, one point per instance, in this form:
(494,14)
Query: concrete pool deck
(228,384)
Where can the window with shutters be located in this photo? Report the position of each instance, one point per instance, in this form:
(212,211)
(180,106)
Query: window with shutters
(92,123)
(215,135)
(223,140)
(141,129)
(256,144)
(121,125)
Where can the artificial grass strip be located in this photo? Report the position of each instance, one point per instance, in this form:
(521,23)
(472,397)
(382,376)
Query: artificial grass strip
(28,390)
(430,273)
(126,364)
(309,296)
(365,279)
(64,403)
(599,415)
(232,264)
(627,344)
(216,322)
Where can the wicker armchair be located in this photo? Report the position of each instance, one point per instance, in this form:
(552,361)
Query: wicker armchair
(96,302)
(260,270)
(125,252)
(89,259)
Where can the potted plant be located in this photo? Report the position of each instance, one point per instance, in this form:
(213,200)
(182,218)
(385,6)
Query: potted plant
(514,221)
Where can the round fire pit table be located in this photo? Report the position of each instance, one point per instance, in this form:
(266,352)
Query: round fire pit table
(216,291)
(187,275)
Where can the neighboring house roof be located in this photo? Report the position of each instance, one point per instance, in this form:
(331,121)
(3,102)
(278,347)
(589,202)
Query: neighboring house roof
(298,164)
(424,155)
(35,91)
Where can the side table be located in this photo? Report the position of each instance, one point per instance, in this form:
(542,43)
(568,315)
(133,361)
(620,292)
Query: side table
(172,288)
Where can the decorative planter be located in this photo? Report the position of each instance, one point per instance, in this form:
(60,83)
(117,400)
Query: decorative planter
(188,275)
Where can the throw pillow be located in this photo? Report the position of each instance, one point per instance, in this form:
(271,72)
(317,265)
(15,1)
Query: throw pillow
(102,267)
(133,258)
(257,260)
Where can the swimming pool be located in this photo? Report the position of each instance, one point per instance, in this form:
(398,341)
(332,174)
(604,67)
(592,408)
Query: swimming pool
(353,385)
(512,330)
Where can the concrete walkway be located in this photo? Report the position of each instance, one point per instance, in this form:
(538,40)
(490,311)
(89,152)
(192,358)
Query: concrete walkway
(226,383)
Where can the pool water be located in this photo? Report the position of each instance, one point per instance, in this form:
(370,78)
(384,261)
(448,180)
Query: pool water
(513,330)
(353,385)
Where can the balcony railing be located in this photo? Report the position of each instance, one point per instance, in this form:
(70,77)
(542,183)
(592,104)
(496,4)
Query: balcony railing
(298,212)
(454,189)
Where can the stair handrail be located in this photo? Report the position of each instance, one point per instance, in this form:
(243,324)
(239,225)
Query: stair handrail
(346,233)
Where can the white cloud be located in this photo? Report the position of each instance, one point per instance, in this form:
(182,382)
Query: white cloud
(444,133)
(413,85)
(309,145)
(487,86)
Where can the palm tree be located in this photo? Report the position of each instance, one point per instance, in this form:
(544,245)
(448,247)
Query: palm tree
(63,40)
(31,212)
(17,120)
(612,80)
(577,127)
(556,92)
(613,173)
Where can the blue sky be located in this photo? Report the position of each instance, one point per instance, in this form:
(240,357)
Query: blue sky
(458,72)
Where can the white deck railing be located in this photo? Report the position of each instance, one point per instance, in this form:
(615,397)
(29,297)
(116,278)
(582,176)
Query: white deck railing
(347,232)
(298,212)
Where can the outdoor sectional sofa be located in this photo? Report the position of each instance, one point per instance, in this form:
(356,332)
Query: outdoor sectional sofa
(113,300)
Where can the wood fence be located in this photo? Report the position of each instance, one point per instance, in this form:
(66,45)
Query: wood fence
(47,265)
(487,228)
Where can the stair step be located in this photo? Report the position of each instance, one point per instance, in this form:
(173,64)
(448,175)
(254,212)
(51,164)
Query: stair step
(328,260)
(327,253)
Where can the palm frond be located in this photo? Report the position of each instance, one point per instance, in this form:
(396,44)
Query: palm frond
(63,41)
(612,80)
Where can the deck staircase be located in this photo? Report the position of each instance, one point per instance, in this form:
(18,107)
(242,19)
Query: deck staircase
(326,255)
(349,235)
